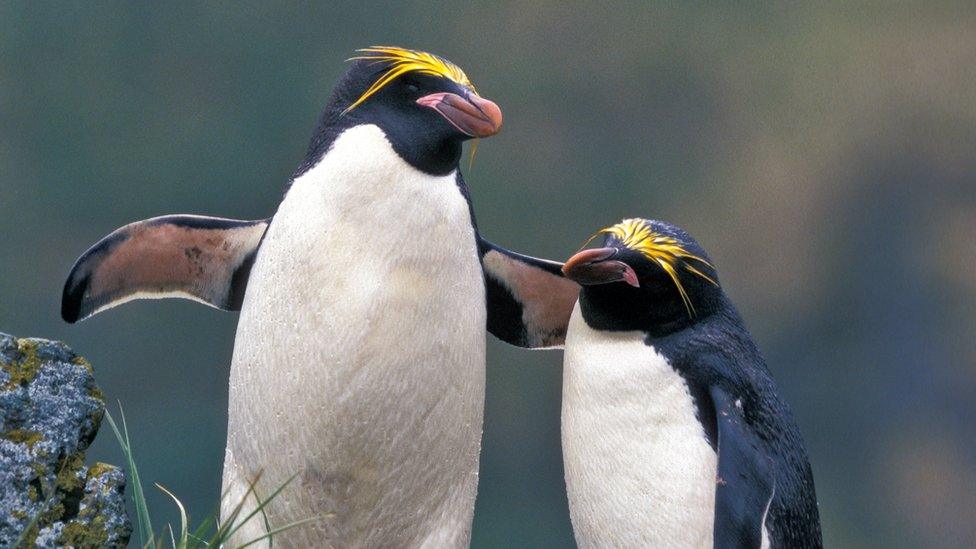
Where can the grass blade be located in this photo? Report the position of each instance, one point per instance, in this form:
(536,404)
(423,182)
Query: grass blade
(279,530)
(224,528)
(22,538)
(264,516)
(184,528)
(261,504)
(146,538)
(198,534)
(198,541)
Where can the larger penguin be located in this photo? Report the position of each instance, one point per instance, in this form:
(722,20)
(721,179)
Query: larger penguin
(673,432)
(359,361)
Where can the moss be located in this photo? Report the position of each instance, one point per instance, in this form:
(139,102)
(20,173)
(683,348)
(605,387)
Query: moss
(51,515)
(80,361)
(29,538)
(18,514)
(39,470)
(25,370)
(100,469)
(97,394)
(23,436)
(67,479)
(77,534)
(37,492)
(94,392)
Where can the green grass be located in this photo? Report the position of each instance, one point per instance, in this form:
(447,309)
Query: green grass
(210,532)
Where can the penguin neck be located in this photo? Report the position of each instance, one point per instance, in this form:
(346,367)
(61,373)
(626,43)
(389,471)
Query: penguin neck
(618,307)
(433,155)
(362,167)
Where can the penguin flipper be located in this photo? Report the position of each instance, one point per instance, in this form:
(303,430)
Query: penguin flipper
(206,259)
(529,300)
(745,484)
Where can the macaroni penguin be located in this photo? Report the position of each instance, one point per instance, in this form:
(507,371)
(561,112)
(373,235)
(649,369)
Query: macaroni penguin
(359,358)
(674,434)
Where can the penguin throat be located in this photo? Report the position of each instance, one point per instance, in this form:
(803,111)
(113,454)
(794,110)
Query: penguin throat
(617,307)
(431,156)
(435,152)
(421,139)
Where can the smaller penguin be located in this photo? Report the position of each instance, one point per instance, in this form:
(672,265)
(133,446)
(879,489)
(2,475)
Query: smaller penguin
(673,432)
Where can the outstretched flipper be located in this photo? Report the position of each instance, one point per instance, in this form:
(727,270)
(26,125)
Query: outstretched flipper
(529,300)
(206,259)
(745,484)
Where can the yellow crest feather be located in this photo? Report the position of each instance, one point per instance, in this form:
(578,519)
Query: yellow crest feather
(402,61)
(663,250)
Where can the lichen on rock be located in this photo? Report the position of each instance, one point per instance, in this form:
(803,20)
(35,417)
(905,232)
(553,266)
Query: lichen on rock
(50,411)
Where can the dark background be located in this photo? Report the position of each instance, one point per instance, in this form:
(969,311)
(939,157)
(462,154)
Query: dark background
(826,158)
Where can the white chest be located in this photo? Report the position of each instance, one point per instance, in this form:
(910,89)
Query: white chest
(639,470)
(359,359)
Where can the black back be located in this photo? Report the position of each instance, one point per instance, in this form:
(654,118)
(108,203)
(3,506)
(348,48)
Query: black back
(718,352)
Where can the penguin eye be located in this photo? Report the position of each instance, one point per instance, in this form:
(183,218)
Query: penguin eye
(412,86)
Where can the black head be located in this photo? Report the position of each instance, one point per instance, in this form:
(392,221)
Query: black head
(424,104)
(649,275)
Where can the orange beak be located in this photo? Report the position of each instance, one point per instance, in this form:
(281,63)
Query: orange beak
(595,266)
(472,115)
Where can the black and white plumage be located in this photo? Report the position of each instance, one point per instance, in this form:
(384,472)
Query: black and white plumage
(674,434)
(359,360)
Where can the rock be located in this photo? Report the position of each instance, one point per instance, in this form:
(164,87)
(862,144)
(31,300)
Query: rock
(50,411)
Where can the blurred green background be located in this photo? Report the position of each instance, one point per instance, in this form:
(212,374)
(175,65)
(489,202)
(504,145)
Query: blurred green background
(825,157)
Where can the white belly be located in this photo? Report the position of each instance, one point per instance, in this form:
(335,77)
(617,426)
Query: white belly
(639,470)
(360,355)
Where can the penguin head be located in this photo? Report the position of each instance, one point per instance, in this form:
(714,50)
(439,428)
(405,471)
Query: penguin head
(647,275)
(424,104)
